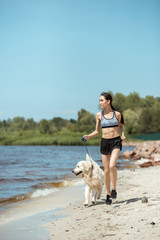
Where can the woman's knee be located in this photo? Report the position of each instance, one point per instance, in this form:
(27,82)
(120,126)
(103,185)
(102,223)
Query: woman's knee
(106,171)
(112,167)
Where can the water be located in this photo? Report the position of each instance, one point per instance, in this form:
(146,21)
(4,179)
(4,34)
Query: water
(32,171)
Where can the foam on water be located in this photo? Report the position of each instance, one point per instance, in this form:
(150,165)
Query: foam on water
(79,182)
(44,192)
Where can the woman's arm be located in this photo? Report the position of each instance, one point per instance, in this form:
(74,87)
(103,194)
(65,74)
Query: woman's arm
(122,132)
(97,129)
(121,129)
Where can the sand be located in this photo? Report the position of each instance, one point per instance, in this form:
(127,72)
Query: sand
(127,218)
(26,219)
(62,215)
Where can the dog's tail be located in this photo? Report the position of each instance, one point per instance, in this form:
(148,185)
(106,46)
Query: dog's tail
(88,158)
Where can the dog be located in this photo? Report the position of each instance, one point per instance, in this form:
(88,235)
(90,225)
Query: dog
(93,176)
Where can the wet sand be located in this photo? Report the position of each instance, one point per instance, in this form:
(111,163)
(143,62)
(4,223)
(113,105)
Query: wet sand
(26,219)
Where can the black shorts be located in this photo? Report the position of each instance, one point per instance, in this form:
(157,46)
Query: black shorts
(107,145)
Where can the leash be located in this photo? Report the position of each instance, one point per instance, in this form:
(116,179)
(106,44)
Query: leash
(88,155)
(86,148)
(85,145)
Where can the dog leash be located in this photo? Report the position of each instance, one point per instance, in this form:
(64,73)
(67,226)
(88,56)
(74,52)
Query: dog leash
(85,145)
(86,148)
(88,154)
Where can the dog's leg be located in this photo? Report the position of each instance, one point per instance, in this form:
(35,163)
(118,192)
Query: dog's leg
(94,196)
(99,191)
(87,195)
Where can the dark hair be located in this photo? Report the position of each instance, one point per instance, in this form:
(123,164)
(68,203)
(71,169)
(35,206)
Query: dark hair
(108,96)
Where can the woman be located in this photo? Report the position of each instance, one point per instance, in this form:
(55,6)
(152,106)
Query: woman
(111,122)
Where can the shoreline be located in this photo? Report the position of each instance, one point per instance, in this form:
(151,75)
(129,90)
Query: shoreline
(26,219)
(55,175)
(127,143)
(62,215)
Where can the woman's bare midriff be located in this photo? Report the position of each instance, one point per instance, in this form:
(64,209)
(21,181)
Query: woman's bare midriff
(110,132)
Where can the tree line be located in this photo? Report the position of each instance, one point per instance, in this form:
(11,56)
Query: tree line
(141,116)
(85,122)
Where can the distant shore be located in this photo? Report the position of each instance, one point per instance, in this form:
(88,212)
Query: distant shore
(58,139)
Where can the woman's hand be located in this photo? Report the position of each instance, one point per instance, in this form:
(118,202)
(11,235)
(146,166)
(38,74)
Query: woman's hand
(86,137)
(123,138)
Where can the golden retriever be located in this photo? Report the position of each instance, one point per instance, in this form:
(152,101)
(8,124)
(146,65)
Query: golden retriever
(93,176)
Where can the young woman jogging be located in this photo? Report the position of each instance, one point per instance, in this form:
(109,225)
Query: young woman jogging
(111,122)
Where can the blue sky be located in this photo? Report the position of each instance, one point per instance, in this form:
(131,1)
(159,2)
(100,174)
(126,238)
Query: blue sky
(57,56)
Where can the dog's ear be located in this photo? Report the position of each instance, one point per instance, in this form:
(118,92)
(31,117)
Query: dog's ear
(87,166)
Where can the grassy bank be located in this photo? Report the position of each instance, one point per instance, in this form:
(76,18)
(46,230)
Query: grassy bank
(66,138)
(61,138)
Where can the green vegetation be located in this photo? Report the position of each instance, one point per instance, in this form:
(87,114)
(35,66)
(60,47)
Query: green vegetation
(141,115)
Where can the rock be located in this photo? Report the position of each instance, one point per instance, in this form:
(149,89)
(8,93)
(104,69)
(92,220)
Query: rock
(152,223)
(144,200)
(158,149)
(146,164)
(145,154)
(127,154)
(155,157)
(149,150)
(156,163)
(141,161)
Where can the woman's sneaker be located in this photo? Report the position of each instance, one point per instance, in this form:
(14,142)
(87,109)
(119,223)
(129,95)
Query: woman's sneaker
(113,194)
(108,200)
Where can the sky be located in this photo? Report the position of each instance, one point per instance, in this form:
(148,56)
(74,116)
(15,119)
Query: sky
(57,56)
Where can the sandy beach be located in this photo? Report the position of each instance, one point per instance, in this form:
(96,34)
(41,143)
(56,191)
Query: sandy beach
(127,218)
(61,215)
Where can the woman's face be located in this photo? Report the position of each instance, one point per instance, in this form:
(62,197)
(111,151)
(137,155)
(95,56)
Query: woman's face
(103,102)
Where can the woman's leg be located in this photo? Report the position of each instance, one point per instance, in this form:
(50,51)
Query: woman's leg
(112,167)
(106,164)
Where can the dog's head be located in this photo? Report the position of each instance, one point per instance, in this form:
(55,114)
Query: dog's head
(82,167)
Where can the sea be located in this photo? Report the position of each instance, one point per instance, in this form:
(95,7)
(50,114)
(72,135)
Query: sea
(32,171)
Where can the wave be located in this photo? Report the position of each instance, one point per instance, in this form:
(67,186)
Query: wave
(14,199)
(10,180)
(58,184)
(42,190)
